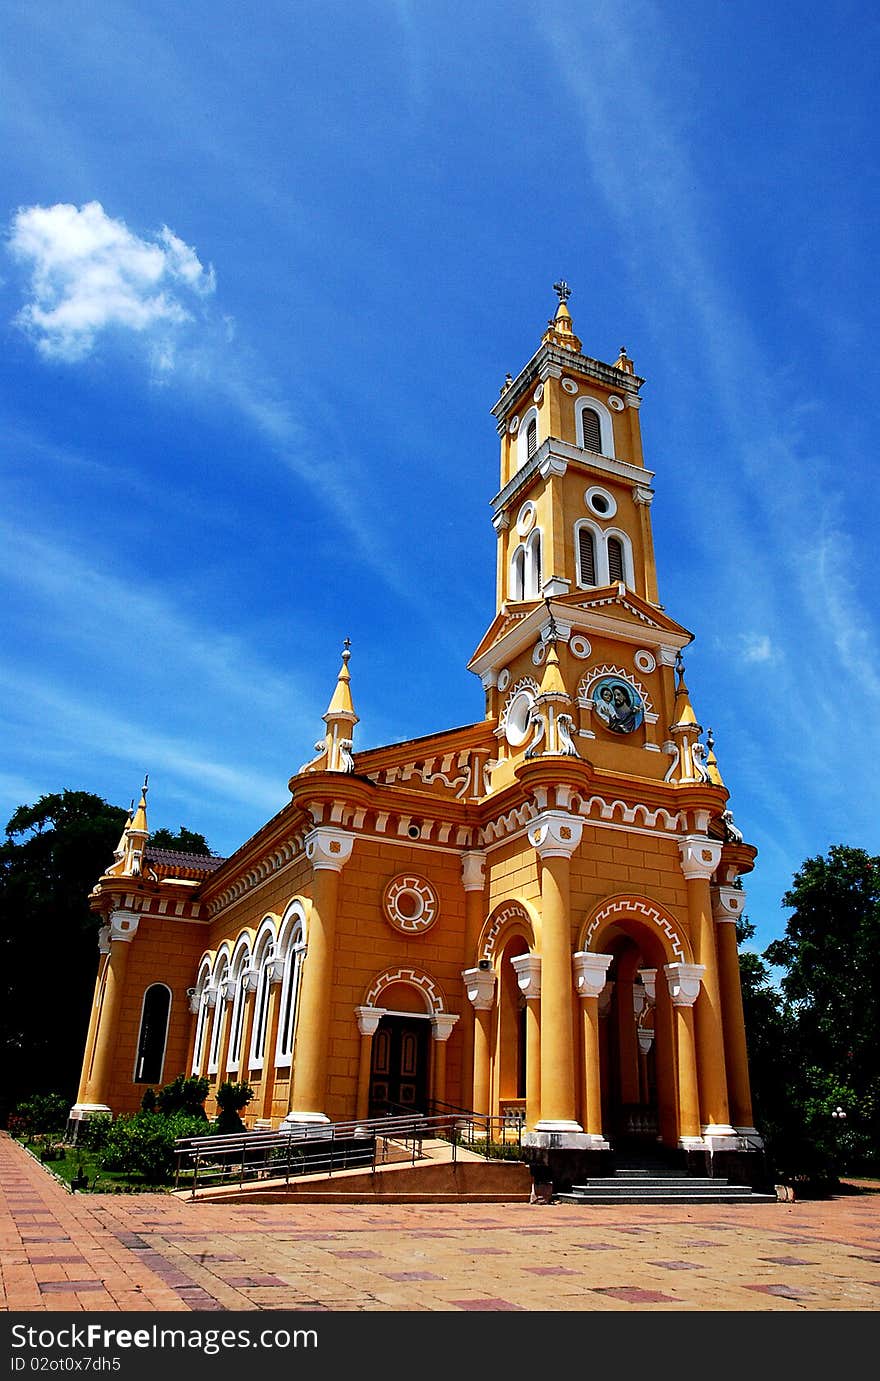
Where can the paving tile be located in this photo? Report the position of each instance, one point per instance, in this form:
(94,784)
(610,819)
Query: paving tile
(634,1295)
(486,1305)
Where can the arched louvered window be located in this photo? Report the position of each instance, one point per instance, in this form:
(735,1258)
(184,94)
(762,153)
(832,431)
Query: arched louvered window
(153,1034)
(532,437)
(293,961)
(616,568)
(219,1018)
(592,432)
(518,574)
(535,546)
(239,1002)
(586,556)
(263,959)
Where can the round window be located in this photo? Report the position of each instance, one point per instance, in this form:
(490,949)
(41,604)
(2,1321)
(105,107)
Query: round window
(603,504)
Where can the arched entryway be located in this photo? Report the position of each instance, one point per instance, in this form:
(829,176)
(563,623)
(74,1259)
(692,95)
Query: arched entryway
(638,1054)
(404,1027)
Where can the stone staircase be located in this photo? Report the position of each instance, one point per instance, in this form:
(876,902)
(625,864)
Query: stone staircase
(658,1185)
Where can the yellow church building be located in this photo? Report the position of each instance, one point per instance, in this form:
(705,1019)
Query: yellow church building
(533,916)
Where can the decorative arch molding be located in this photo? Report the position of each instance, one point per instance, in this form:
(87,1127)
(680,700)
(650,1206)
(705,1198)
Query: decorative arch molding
(522,443)
(416,978)
(614,910)
(509,916)
(295,915)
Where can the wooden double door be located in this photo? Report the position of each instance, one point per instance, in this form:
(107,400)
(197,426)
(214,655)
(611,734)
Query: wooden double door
(400,1063)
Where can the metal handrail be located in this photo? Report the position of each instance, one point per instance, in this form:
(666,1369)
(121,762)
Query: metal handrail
(252,1155)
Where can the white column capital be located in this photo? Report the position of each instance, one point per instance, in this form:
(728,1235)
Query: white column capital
(276,969)
(555,834)
(442,1024)
(591,972)
(250,979)
(528,974)
(646,1040)
(211,993)
(473,870)
(700,855)
(684,982)
(368,1019)
(104,940)
(643,495)
(728,903)
(649,983)
(327,847)
(123,925)
(480,987)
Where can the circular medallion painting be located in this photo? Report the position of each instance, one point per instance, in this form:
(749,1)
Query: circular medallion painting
(618,705)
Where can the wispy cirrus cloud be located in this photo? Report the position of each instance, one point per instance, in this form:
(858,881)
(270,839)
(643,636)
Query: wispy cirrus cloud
(89,274)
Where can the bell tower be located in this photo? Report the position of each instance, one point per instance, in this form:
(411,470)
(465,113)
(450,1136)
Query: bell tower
(576,592)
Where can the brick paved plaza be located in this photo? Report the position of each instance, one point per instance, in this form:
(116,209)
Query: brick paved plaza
(97,1252)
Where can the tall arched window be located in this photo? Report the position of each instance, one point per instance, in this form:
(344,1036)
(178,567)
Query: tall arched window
(592,431)
(615,559)
(204,996)
(533,565)
(241,967)
(293,948)
(153,1034)
(586,556)
(222,973)
(518,574)
(264,956)
(527,438)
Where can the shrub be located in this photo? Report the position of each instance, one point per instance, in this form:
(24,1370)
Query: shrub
(143,1143)
(44,1112)
(183,1095)
(231,1100)
(148,1102)
(93,1132)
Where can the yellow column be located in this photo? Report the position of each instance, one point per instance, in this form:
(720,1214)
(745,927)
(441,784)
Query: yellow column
(699,859)
(328,850)
(123,928)
(684,985)
(103,959)
(479,985)
(441,1029)
(473,874)
(591,975)
(555,835)
(643,496)
(528,974)
(727,908)
(368,1019)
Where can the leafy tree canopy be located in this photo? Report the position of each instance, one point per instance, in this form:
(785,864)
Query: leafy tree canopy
(184,840)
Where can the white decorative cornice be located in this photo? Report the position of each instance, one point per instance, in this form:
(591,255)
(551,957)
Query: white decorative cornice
(479,985)
(547,369)
(368,1019)
(442,1024)
(123,925)
(528,974)
(555,834)
(591,972)
(473,870)
(667,655)
(684,982)
(489,678)
(728,903)
(552,465)
(329,848)
(700,856)
(501,521)
(642,495)
(556,585)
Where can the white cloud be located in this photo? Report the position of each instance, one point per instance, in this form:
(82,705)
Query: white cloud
(90,273)
(756,647)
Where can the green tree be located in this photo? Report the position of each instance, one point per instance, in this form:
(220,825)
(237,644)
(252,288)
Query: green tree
(52,855)
(831,1005)
(184,841)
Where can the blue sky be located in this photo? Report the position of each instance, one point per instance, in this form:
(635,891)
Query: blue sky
(264,270)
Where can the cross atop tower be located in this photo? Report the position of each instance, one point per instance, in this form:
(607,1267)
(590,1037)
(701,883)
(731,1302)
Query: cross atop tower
(562,290)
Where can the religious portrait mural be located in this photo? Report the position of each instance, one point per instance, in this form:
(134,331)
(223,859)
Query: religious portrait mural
(618,705)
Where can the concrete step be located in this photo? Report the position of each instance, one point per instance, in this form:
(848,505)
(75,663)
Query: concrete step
(637,1198)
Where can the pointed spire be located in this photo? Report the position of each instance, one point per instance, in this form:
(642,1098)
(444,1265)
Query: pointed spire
(560,331)
(341,702)
(624,362)
(683,711)
(712,762)
(551,681)
(334,750)
(129,852)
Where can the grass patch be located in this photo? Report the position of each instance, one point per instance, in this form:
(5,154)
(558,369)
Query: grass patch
(72,1164)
